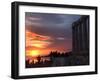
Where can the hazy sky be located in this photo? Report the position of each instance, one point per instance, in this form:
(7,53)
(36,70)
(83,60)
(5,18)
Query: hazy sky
(49,32)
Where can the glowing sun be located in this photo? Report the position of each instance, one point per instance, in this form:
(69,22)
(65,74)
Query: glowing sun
(34,53)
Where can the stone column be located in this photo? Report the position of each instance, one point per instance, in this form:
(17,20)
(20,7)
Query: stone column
(74,35)
(87,25)
(80,36)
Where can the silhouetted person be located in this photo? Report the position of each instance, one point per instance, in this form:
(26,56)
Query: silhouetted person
(39,59)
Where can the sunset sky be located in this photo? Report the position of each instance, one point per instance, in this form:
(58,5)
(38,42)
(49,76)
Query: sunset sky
(48,32)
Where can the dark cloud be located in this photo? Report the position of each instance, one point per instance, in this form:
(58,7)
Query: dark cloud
(57,26)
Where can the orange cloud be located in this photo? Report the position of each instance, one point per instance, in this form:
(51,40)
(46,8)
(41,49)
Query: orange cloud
(36,40)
